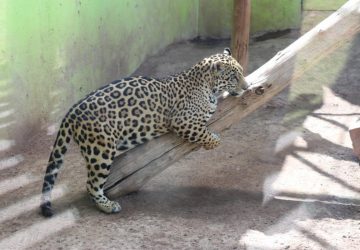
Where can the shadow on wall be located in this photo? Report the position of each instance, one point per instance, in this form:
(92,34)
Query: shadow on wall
(7,121)
(15,174)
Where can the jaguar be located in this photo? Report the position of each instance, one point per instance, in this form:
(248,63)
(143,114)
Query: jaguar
(125,113)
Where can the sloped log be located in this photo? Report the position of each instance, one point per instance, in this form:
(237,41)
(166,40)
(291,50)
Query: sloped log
(132,170)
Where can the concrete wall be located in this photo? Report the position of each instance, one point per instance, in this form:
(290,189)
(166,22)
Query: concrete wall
(52,53)
(215,16)
(272,15)
(323,4)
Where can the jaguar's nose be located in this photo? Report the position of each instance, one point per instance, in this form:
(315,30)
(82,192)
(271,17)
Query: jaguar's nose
(234,93)
(244,85)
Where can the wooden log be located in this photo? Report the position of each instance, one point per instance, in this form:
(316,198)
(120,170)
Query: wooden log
(133,169)
(241,32)
(354,132)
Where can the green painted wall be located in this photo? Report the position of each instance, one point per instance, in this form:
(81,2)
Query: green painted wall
(215,16)
(323,4)
(275,15)
(53,52)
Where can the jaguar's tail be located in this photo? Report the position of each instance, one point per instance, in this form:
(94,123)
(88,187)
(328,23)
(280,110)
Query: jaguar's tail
(55,161)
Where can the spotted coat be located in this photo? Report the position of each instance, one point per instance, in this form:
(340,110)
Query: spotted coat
(131,111)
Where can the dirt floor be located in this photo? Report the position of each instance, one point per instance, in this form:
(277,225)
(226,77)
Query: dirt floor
(283,178)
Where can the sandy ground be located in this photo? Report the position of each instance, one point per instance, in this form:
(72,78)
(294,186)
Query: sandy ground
(283,178)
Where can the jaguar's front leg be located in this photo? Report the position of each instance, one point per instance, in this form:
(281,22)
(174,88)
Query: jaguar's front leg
(208,139)
(197,133)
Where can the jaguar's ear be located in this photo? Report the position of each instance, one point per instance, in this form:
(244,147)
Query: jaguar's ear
(227,51)
(217,67)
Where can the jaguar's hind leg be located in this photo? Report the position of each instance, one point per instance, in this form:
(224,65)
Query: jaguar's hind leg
(98,166)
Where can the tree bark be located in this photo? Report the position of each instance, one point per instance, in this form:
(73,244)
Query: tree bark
(241,32)
(133,169)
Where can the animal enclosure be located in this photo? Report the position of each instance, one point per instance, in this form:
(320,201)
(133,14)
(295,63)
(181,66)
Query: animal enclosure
(284,176)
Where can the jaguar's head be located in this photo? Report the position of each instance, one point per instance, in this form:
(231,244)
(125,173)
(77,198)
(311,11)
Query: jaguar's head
(227,74)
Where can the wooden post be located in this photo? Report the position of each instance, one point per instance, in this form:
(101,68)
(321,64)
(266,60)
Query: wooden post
(133,169)
(241,31)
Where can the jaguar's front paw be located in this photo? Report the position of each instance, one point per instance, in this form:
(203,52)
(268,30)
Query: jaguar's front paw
(215,141)
(109,207)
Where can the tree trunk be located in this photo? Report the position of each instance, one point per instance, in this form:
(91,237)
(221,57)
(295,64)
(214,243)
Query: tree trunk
(132,170)
(241,32)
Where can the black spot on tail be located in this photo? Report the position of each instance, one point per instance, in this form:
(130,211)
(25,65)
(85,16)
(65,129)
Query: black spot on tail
(46,209)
